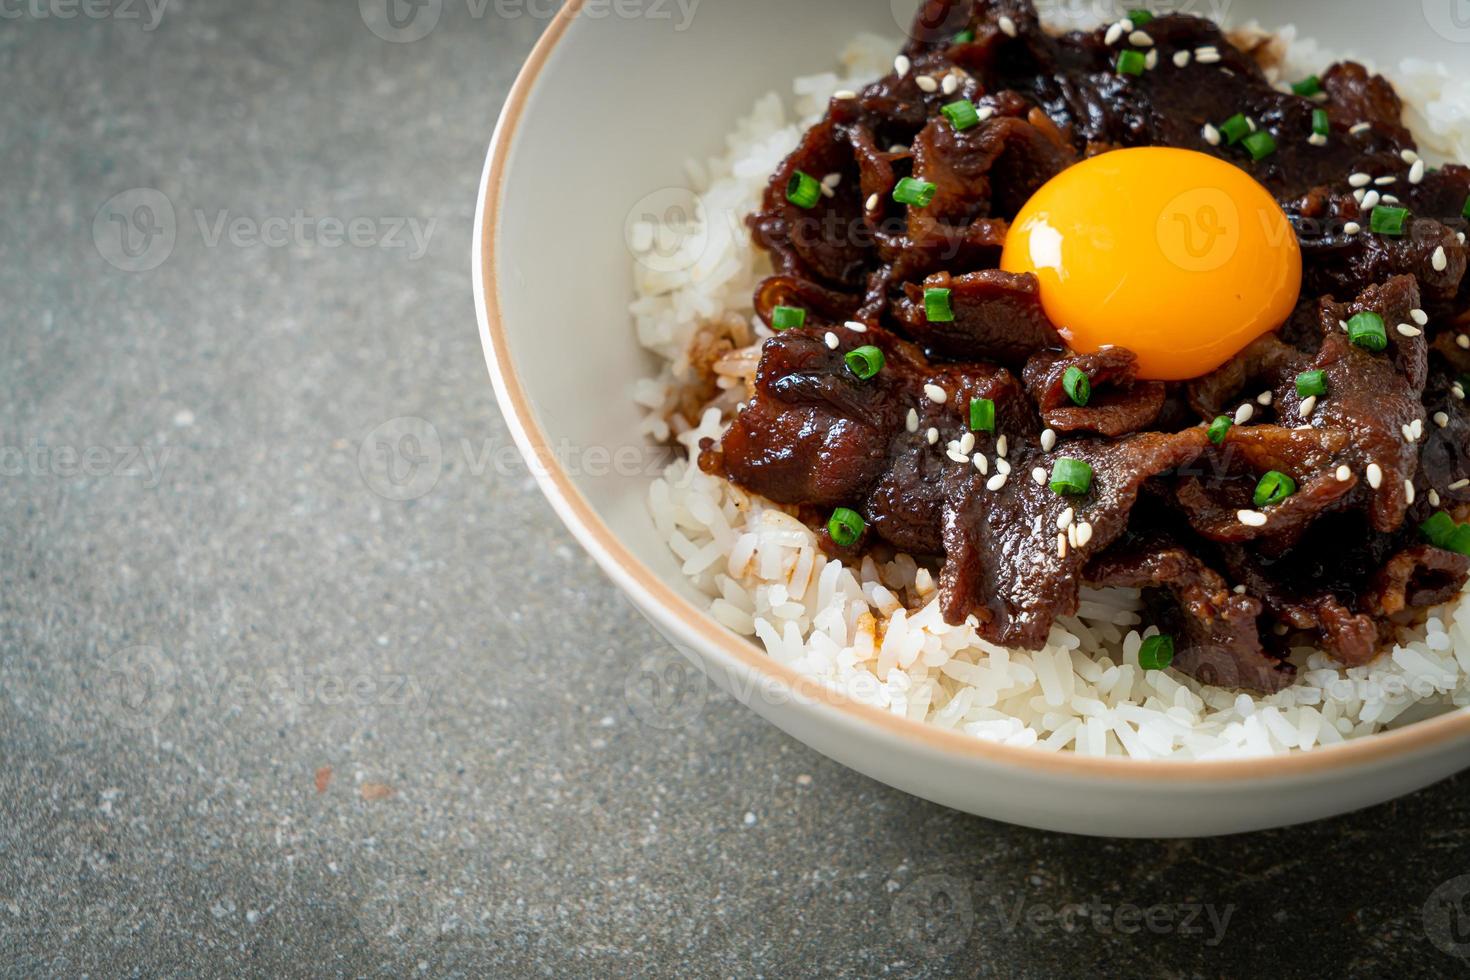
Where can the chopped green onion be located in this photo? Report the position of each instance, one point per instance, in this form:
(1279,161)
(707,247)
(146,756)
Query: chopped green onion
(916,192)
(1459,542)
(1311,383)
(936,306)
(1235,129)
(964,37)
(1219,427)
(961,114)
(787,317)
(1273,488)
(1388,221)
(1308,86)
(1438,529)
(1156,653)
(803,190)
(1072,476)
(1465,211)
(1077,385)
(864,361)
(1366,330)
(1139,17)
(1130,63)
(1260,145)
(1321,125)
(846,527)
(982,415)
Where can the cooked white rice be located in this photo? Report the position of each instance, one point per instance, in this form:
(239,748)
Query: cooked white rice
(875,631)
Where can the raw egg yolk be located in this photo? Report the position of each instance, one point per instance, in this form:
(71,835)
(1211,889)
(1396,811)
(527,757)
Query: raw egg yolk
(1178,256)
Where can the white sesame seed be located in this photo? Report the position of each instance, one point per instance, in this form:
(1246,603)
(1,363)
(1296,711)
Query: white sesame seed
(1181,59)
(1264,398)
(1439,260)
(1458,391)
(1211,135)
(1072,535)
(1390,199)
(911,421)
(1462,342)
(1460,237)
(831,339)
(1407,331)
(1006,25)
(832,180)
(1061,546)
(1065,518)
(936,394)
(826,190)
(1308,406)
(1409,156)
(1459,485)
(1115,31)
(1419,317)
(955,455)
(1359,180)
(1001,466)
(1239,590)
(1408,432)
(1084,534)
(1207,55)
(872,203)
(996,482)
(981,463)
(1409,491)
(1140,39)
(1352,228)
(1151,60)
(1385,180)
(1000,445)
(1370,200)
(986,111)
(1048,440)
(1243,413)
(1343,473)
(1358,195)
(967,443)
(1360,128)
(844,94)
(1433,497)
(1317,139)
(1441,419)
(926,83)
(1251,518)
(1250,122)
(1375,475)
(901,64)
(1416,172)
(1417,427)
(950,84)
(1039,475)
(1343,325)
(932,436)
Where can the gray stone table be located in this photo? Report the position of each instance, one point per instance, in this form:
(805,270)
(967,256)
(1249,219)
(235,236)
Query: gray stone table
(259,719)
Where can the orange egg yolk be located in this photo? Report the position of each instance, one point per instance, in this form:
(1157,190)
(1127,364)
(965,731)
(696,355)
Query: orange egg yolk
(1178,256)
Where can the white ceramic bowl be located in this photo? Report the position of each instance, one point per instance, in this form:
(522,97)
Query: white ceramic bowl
(605,111)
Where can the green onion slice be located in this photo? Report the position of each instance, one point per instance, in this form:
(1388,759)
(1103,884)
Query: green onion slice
(864,361)
(1273,488)
(1077,385)
(1465,211)
(1071,476)
(982,415)
(1130,63)
(936,306)
(1156,653)
(1388,221)
(1321,125)
(803,190)
(1140,17)
(964,37)
(1260,145)
(1438,529)
(846,527)
(1459,542)
(1219,427)
(916,192)
(1366,330)
(961,115)
(787,317)
(1308,86)
(1311,383)
(1235,129)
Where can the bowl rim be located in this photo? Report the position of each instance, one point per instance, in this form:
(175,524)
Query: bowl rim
(696,627)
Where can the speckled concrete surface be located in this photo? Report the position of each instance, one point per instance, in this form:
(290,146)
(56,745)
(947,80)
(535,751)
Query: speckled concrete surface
(260,719)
